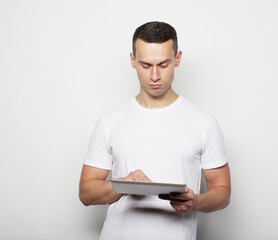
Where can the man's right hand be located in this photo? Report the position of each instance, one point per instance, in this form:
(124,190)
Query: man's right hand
(94,189)
(137,175)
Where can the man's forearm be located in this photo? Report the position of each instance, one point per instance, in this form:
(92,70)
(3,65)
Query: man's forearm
(97,192)
(213,200)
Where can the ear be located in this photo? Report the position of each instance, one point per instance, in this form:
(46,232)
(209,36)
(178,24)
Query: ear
(178,58)
(132,60)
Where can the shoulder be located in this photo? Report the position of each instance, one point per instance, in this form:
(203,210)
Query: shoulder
(116,114)
(194,112)
(202,121)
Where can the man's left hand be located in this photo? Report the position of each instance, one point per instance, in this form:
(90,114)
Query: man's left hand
(181,202)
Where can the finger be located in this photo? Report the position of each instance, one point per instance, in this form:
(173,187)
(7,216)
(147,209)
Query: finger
(179,196)
(178,207)
(137,175)
(189,203)
(133,177)
(167,197)
(178,201)
(164,196)
(141,175)
(188,195)
(176,195)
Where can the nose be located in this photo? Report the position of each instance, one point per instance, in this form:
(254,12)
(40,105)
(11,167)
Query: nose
(155,76)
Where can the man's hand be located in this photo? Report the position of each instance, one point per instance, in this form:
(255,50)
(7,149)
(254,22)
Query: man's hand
(137,175)
(217,197)
(181,202)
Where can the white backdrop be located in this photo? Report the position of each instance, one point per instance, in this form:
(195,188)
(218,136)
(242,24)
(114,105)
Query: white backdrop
(65,62)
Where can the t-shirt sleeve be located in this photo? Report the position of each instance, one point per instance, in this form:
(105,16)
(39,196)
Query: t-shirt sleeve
(213,152)
(98,154)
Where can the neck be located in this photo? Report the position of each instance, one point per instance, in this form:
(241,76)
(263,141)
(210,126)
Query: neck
(148,101)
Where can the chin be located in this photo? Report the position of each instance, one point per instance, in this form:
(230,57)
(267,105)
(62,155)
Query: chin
(158,94)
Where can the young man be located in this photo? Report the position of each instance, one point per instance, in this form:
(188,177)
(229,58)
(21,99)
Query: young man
(156,136)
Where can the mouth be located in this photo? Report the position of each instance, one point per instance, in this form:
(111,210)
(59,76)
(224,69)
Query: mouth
(155,86)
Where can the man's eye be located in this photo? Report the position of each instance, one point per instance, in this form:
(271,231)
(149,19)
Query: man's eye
(145,66)
(164,66)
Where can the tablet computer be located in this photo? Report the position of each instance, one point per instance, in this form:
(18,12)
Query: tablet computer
(145,188)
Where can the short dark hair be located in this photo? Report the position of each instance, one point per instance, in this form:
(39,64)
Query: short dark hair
(155,32)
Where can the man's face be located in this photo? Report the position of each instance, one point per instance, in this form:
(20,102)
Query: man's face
(155,64)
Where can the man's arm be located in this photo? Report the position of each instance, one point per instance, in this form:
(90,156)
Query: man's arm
(94,189)
(219,190)
(216,198)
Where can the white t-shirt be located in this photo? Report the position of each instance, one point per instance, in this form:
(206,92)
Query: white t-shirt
(170,144)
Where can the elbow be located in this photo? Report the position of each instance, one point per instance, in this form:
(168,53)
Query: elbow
(227,202)
(84,200)
(228,198)
(85,204)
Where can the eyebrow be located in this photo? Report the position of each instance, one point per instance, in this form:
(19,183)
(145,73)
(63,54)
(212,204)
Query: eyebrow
(146,63)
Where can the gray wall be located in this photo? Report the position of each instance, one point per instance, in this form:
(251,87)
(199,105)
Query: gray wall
(64,63)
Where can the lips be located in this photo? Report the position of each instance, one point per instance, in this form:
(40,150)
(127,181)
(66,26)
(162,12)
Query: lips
(155,86)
